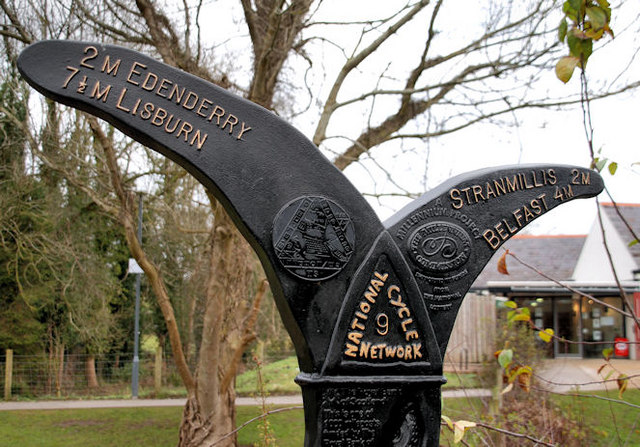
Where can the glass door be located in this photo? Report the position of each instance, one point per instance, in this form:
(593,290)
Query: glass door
(601,324)
(567,325)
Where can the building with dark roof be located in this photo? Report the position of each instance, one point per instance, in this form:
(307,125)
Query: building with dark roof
(583,311)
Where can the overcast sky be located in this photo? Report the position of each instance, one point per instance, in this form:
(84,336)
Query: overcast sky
(540,136)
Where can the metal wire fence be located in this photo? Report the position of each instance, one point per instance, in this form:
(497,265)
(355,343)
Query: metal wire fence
(70,375)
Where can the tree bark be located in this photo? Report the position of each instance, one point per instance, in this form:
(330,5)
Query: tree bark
(90,369)
(210,411)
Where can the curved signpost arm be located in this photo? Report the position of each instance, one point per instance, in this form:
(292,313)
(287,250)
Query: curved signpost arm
(449,234)
(369,307)
(253,162)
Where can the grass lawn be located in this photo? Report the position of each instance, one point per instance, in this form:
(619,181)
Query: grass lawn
(611,423)
(158,427)
(277,376)
(278,379)
(117,427)
(96,427)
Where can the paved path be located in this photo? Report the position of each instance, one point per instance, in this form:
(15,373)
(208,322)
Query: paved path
(137,403)
(565,375)
(558,375)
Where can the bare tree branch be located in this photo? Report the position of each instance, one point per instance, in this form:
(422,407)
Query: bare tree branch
(353,62)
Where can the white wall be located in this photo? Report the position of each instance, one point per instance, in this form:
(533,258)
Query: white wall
(593,263)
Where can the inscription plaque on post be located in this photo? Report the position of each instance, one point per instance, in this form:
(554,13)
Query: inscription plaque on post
(369,305)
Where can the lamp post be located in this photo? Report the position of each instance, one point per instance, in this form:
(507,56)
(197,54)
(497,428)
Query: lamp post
(135,269)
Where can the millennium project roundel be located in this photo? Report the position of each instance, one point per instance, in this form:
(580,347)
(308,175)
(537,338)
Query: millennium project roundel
(440,246)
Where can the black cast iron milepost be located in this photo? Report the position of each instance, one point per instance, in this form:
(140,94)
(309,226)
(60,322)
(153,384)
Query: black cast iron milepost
(369,305)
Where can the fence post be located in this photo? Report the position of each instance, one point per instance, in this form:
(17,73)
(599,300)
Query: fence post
(157,370)
(8,374)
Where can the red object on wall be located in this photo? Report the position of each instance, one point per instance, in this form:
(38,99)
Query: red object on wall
(621,347)
(636,305)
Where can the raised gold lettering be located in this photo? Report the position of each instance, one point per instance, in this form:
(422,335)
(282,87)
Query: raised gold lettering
(477,192)
(454,194)
(490,192)
(535,180)
(92,54)
(135,106)
(167,127)
(364,349)
(390,351)
(74,71)
(499,184)
(232,120)
(147,110)
(204,105)
(501,232)
(120,98)
(377,285)
(108,68)
(355,337)
(133,71)
(218,112)
(511,229)
(190,95)
(411,335)
(177,93)
(370,295)
(97,94)
(185,128)
(517,214)
(491,238)
(382,278)
(149,86)
(407,353)
(382,321)
(405,323)
(198,138)
(351,350)
(528,215)
(163,87)
(355,324)
(159,116)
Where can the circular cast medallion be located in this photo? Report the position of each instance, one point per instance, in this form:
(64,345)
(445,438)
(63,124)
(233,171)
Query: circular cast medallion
(440,246)
(313,238)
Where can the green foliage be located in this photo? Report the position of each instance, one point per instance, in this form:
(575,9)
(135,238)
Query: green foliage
(589,22)
(599,164)
(60,259)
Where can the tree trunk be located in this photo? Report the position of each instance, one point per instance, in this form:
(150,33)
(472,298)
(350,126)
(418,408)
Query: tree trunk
(227,329)
(59,368)
(90,369)
(195,431)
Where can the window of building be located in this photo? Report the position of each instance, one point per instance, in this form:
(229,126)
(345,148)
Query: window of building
(601,324)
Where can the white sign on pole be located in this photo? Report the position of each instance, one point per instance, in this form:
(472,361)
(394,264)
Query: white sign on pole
(134,268)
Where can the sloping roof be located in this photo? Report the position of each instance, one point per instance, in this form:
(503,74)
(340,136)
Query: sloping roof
(555,255)
(631,213)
